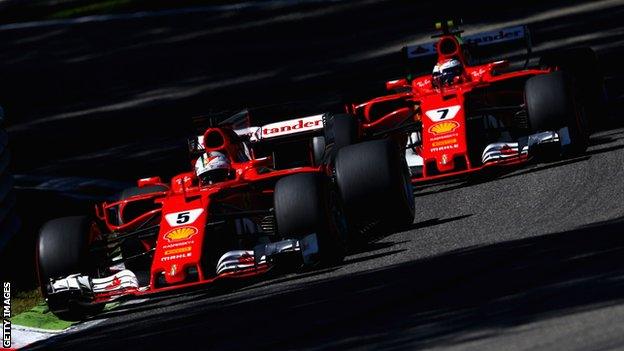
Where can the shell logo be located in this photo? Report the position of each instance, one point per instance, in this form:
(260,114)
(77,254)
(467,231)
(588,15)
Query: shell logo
(443,127)
(182,233)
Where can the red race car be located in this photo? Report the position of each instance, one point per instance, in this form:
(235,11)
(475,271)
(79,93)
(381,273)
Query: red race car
(466,116)
(258,197)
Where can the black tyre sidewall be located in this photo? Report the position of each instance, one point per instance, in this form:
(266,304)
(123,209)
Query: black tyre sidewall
(583,65)
(374,183)
(301,208)
(551,104)
(340,130)
(63,249)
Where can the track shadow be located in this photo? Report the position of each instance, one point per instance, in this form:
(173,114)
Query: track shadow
(370,257)
(604,139)
(437,221)
(425,303)
(375,245)
(542,167)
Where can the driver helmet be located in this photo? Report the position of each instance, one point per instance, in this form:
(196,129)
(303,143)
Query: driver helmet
(444,73)
(212,167)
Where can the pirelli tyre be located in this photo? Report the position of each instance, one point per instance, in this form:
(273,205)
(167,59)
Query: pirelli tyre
(375,185)
(62,250)
(302,207)
(550,103)
(583,65)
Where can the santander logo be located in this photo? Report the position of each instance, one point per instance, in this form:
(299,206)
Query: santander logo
(304,124)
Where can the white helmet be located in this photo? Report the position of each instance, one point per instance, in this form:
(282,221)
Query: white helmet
(212,167)
(444,73)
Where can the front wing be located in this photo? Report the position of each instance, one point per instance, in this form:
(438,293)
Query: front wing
(494,154)
(236,264)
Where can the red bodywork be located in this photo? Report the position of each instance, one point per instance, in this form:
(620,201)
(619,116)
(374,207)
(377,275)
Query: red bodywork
(442,111)
(182,212)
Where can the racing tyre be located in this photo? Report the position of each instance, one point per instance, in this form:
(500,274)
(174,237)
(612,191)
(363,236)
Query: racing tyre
(550,103)
(374,184)
(301,208)
(318,149)
(62,249)
(583,65)
(340,130)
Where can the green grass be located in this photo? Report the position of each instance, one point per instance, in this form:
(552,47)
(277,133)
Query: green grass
(40,317)
(23,301)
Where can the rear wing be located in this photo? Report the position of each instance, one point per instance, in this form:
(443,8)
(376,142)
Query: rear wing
(287,141)
(482,47)
(273,131)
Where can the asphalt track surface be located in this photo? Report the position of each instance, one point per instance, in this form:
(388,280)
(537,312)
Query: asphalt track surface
(531,259)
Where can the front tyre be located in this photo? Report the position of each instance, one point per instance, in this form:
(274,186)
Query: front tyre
(551,105)
(302,208)
(583,65)
(62,250)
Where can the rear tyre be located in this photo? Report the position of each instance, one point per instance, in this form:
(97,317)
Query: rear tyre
(62,249)
(550,103)
(301,208)
(318,149)
(375,184)
(340,130)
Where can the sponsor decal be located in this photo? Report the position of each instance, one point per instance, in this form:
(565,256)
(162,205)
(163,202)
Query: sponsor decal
(173,269)
(114,284)
(292,126)
(185,217)
(445,147)
(424,83)
(494,37)
(444,113)
(479,39)
(182,233)
(443,127)
(178,244)
(6,315)
(178,250)
(444,136)
(444,142)
(444,159)
(176,257)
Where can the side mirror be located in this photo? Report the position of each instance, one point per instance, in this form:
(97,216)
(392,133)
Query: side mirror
(145,182)
(397,84)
